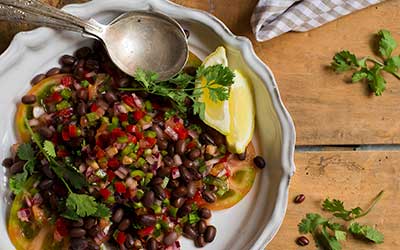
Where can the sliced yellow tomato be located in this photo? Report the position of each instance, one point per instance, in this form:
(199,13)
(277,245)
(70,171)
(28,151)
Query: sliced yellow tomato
(40,90)
(27,236)
(243,175)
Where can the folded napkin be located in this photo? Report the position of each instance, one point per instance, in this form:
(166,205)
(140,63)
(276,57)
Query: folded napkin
(272,18)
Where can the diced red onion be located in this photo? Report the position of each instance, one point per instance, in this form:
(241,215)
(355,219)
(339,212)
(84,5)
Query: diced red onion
(151,159)
(77,86)
(212,162)
(89,171)
(33,122)
(103,104)
(37,199)
(147,125)
(137,101)
(177,160)
(193,134)
(24,214)
(222,173)
(59,87)
(28,202)
(121,109)
(100,111)
(175,173)
(171,133)
(82,168)
(131,183)
(90,74)
(121,172)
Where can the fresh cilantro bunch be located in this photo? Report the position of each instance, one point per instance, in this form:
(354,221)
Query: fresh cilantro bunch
(328,234)
(217,79)
(345,61)
(78,205)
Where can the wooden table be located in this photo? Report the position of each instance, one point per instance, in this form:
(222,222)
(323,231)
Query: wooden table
(348,140)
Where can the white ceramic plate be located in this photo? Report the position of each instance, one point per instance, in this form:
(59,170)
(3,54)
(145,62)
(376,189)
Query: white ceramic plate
(253,222)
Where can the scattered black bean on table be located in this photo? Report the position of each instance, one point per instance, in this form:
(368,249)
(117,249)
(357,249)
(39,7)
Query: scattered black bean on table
(302,241)
(299,198)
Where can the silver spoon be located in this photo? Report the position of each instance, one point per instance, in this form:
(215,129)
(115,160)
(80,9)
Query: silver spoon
(137,39)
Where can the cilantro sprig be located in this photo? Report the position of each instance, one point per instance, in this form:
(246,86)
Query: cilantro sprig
(26,153)
(78,205)
(328,234)
(368,68)
(216,79)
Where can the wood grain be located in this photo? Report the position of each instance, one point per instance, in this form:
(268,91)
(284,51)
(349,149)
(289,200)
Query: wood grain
(355,178)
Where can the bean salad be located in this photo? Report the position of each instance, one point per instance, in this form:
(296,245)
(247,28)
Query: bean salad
(97,165)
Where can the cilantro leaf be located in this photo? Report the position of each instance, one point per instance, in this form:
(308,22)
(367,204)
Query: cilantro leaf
(366,232)
(376,82)
(359,75)
(392,64)
(102,211)
(340,235)
(200,109)
(343,61)
(216,74)
(83,205)
(386,43)
(70,214)
(25,152)
(337,207)
(182,80)
(49,148)
(145,77)
(17,182)
(311,222)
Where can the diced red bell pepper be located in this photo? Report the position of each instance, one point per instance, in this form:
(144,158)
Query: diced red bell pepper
(61,153)
(113,163)
(67,81)
(111,175)
(72,131)
(121,238)
(100,153)
(155,105)
(128,100)
(181,131)
(65,135)
(66,113)
(62,227)
(228,171)
(146,231)
(123,117)
(224,159)
(150,142)
(139,135)
(117,132)
(103,141)
(191,145)
(120,187)
(198,199)
(167,193)
(54,98)
(132,139)
(140,152)
(131,129)
(138,114)
(94,107)
(105,193)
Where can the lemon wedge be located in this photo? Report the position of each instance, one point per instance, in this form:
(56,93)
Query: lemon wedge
(216,113)
(242,113)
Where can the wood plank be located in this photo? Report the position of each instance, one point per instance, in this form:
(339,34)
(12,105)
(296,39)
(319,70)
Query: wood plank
(355,178)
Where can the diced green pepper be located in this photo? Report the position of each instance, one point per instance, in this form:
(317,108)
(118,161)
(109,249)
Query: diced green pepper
(66,94)
(85,83)
(148,106)
(122,139)
(157,209)
(137,172)
(137,205)
(147,152)
(173,211)
(92,117)
(140,162)
(63,105)
(165,182)
(139,194)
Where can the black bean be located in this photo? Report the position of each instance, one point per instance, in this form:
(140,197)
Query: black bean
(53,71)
(171,150)
(218,138)
(191,189)
(17,167)
(37,79)
(185,174)
(169,162)
(170,238)
(82,108)
(45,132)
(77,223)
(241,156)
(190,70)
(28,99)
(94,231)
(162,144)
(195,174)
(164,171)
(159,192)
(83,94)
(90,222)
(179,202)
(92,65)
(68,60)
(79,244)
(151,244)
(180,147)
(173,184)
(123,82)
(83,52)
(180,192)
(93,246)
(130,241)
(199,242)
(302,241)
(185,210)
(110,97)
(45,184)
(77,232)
(156,181)
(80,73)
(148,199)
(210,233)
(205,213)
(147,220)
(299,198)
(66,69)
(259,162)
(194,154)
(8,162)
(48,172)
(160,133)
(201,226)
(124,224)
(209,196)
(118,215)
(206,139)
(188,163)
(101,103)
(189,232)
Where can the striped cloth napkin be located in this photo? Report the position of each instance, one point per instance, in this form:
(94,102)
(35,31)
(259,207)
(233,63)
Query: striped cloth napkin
(272,18)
